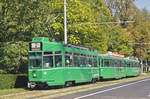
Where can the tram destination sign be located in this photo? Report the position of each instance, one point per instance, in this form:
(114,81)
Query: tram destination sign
(35,46)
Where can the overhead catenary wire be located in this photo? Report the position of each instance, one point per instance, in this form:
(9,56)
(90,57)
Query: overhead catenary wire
(101,23)
(48,22)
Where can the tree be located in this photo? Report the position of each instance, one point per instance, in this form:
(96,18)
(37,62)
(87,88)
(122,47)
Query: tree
(23,19)
(121,9)
(119,41)
(81,12)
(140,32)
(13,57)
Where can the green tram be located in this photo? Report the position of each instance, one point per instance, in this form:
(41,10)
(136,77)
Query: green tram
(116,67)
(54,64)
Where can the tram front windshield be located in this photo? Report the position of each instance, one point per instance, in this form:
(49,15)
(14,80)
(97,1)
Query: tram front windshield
(35,60)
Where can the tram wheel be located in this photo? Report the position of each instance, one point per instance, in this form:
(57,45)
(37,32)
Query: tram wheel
(68,83)
(93,80)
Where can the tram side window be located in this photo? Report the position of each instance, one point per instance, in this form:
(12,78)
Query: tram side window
(119,63)
(95,61)
(76,61)
(102,63)
(111,63)
(138,65)
(135,65)
(125,64)
(131,64)
(128,64)
(47,61)
(68,59)
(89,61)
(82,60)
(106,63)
(115,63)
(58,59)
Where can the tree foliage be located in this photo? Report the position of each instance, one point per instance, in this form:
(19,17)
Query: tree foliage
(21,20)
(121,9)
(13,57)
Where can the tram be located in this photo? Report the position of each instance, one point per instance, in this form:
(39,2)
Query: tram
(55,64)
(51,63)
(117,67)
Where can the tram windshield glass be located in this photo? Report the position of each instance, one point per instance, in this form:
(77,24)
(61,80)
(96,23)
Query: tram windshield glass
(35,60)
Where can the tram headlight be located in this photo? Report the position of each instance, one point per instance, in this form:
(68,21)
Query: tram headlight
(34,75)
(45,73)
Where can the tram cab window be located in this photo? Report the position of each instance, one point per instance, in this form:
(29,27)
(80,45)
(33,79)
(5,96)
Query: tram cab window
(37,63)
(58,59)
(35,60)
(35,54)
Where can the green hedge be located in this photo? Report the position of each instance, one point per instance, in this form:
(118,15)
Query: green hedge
(8,81)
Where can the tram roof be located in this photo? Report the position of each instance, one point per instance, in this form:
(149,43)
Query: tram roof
(81,47)
(125,58)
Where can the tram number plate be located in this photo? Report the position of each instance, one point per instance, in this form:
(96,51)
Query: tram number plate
(36,46)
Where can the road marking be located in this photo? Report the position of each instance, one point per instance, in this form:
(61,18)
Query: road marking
(99,92)
(148,95)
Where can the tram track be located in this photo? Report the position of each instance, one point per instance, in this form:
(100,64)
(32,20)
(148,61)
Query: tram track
(70,91)
(66,90)
(38,94)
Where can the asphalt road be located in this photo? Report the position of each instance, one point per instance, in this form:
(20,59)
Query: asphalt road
(133,90)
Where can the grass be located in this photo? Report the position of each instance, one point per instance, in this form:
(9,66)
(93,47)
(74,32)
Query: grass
(13,90)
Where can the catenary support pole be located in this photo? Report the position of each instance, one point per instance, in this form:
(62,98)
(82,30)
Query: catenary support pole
(65,23)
